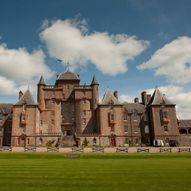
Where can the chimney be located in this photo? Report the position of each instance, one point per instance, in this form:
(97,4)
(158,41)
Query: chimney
(144,97)
(136,100)
(115,94)
(20,94)
(148,98)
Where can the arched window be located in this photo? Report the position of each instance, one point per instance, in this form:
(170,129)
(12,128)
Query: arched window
(182,131)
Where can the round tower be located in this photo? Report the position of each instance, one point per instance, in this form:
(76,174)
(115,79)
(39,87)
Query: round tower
(95,93)
(40,95)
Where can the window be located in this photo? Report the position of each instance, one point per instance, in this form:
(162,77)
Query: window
(165,128)
(136,141)
(126,140)
(125,116)
(164,114)
(28,141)
(145,117)
(112,128)
(18,141)
(125,128)
(52,122)
(146,129)
(41,122)
(112,116)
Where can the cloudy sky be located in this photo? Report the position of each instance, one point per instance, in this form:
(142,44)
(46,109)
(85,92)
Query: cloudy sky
(130,45)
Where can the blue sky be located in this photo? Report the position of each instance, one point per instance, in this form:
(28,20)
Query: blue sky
(155,25)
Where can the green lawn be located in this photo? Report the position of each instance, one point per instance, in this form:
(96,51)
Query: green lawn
(132,172)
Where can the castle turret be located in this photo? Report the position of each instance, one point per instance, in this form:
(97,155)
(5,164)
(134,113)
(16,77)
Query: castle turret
(95,87)
(40,95)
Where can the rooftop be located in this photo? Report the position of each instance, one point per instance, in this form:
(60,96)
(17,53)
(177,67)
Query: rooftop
(159,99)
(26,98)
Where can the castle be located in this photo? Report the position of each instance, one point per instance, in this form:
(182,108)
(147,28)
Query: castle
(68,114)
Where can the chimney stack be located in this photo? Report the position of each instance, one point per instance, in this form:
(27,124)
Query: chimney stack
(20,94)
(136,100)
(144,97)
(148,98)
(116,94)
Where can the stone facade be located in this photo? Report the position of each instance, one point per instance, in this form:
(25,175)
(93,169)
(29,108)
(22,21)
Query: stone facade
(68,114)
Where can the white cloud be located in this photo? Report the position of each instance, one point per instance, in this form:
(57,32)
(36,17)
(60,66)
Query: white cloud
(70,40)
(18,68)
(172,61)
(181,98)
(126,98)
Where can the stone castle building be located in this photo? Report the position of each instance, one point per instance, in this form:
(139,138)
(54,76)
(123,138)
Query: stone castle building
(68,114)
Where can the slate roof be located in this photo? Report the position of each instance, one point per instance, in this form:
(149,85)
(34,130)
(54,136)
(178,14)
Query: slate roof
(131,107)
(68,75)
(109,98)
(6,108)
(26,98)
(94,81)
(184,123)
(41,81)
(158,98)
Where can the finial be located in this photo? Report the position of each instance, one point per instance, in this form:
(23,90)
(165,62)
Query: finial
(68,66)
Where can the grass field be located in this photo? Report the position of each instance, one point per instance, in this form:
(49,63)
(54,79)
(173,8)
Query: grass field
(104,172)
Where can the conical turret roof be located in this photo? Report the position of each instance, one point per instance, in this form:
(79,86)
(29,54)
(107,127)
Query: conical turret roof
(41,81)
(94,81)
